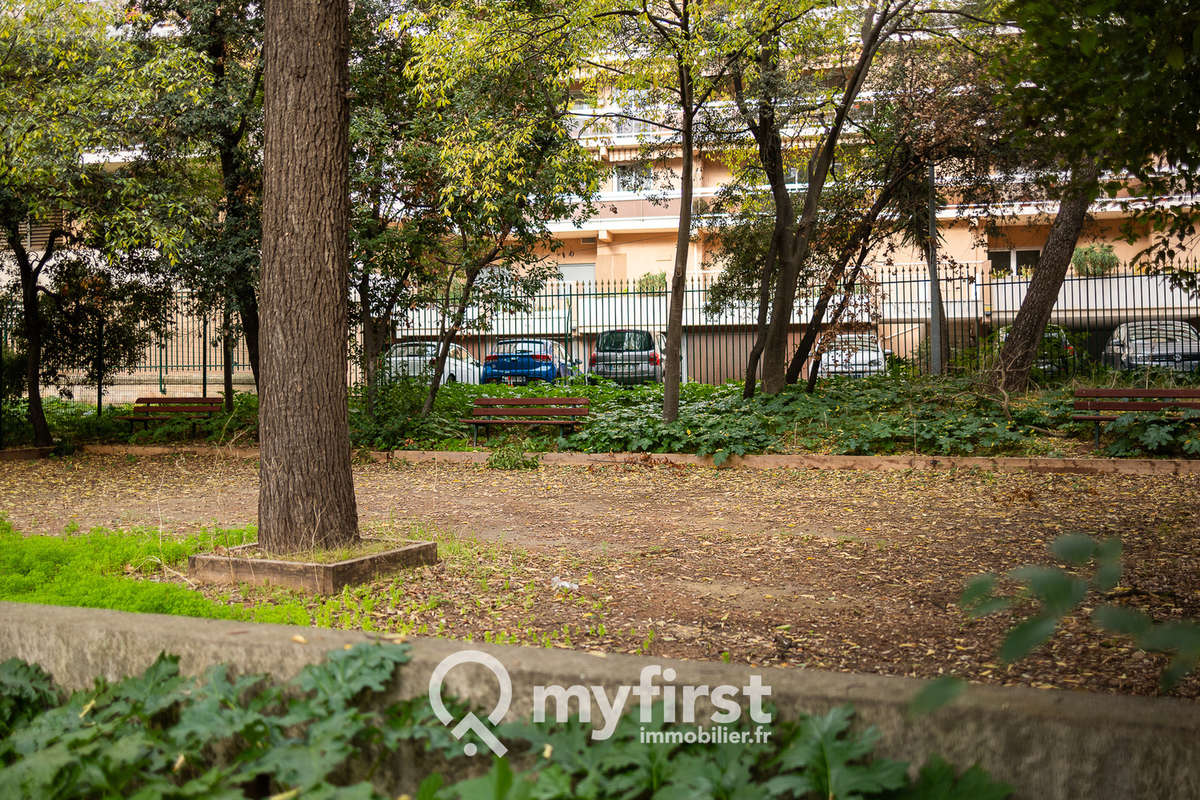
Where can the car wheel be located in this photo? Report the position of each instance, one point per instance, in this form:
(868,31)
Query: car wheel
(451,379)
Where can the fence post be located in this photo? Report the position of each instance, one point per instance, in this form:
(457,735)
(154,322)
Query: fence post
(204,355)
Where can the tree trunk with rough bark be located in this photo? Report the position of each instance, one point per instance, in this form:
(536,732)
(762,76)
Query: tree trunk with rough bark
(306,498)
(33,359)
(1021,345)
(673,369)
(32,329)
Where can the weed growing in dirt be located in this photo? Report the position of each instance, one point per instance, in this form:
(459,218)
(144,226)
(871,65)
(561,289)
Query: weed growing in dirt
(511,455)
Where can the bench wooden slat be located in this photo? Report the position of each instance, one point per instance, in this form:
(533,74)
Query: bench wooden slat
(1132,405)
(1127,400)
(170,400)
(531,401)
(565,412)
(1184,393)
(499,411)
(520,421)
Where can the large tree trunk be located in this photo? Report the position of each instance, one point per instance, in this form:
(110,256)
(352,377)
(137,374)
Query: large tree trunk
(876,28)
(307,489)
(32,328)
(765,129)
(33,357)
(1021,346)
(673,369)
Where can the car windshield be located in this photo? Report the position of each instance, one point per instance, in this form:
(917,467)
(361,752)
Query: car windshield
(853,342)
(624,341)
(412,350)
(521,347)
(1164,335)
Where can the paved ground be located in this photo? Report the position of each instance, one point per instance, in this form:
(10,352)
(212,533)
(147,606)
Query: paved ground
(840,570)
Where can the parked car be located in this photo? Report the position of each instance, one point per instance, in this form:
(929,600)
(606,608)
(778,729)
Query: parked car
(629,356)
(415,358)
(1055,356)
(1169,344)
(520,361)
(853,355)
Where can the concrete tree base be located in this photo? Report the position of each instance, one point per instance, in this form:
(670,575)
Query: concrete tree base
(308,576)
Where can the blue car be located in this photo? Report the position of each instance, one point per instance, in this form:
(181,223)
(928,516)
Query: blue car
(520,361)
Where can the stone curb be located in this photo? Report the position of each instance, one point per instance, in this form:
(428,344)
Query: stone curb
(1051,745)
(1078,466)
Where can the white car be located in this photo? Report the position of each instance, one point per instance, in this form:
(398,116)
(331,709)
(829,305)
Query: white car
(416,358)
(853,355)
(1165,344)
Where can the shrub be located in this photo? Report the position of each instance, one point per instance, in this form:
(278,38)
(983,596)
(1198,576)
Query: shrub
(652,282)
(1155,434)
(1094,260)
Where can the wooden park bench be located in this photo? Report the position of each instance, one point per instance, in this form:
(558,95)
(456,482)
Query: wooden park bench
(1105,405)
(565,412)
(151,409)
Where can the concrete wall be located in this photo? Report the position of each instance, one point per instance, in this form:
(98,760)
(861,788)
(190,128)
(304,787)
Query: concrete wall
(1050,744)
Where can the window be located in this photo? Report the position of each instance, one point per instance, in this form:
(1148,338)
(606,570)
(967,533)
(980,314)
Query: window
(631,177)
(577,273)
(624,342)
(1013,262)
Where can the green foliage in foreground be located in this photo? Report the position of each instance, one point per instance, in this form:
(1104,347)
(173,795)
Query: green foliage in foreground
(1059,591)
(109,569)
(321,736)
(163,735)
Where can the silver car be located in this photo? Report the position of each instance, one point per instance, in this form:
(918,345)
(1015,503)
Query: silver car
(629,356)
(415,358)
(853,355)
(1170,344)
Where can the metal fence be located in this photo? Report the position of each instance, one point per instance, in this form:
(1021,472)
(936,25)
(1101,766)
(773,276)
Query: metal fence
(893,312)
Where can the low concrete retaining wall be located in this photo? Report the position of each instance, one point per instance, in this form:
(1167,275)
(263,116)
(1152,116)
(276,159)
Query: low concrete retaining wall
(1078,466)
(1052,745)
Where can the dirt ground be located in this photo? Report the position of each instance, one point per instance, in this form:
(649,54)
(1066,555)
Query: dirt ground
(852,571)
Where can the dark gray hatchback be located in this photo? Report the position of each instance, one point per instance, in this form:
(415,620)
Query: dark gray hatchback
(629,356)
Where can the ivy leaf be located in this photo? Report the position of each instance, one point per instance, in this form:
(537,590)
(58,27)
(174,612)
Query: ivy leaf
(1026,636)
(1074,548)
(935,694)
(1057,591)
(1119,619)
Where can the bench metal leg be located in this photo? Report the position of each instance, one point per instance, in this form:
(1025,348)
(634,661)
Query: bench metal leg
(1097,438)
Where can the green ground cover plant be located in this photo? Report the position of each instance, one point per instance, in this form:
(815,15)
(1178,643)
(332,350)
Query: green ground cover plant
(109,569)
(324,735)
